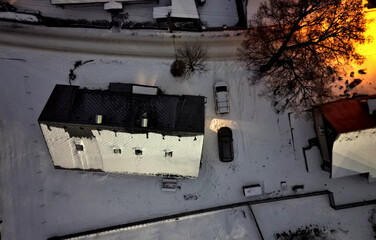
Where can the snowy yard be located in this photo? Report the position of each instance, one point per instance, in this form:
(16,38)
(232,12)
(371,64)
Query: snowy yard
(38,201)
(313,217)
(43,202)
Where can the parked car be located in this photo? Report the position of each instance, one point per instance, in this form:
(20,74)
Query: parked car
(200,2)
(225,144)
(222,105)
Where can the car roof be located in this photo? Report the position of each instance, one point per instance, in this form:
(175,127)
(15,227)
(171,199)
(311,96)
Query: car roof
(225,131)
(220,84)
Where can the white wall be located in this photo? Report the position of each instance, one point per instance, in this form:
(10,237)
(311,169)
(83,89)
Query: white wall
(63,150)
(355,153)
(99,152)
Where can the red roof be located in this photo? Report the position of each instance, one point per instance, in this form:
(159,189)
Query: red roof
(347,116)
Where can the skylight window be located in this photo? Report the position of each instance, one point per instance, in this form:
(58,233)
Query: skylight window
(168,154)
(138,152)
(79,147)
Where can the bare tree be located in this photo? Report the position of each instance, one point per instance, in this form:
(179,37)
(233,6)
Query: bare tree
(190,59)
(6,6)
(296,47)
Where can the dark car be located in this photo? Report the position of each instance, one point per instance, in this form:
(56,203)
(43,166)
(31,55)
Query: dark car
(225,145)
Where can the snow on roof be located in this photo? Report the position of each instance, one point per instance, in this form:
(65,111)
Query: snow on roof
(184,9)
(223,105)
(355,153)
(252,8)
(167,114)
(92,1)
(77,1)
(144,90)
(161,12)
(178,9)
(347,115)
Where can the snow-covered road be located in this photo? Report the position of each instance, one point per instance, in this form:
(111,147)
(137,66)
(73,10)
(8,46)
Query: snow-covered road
(140,43)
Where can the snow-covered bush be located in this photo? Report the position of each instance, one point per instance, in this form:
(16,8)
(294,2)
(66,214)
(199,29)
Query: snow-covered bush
(177,68)
(306,233)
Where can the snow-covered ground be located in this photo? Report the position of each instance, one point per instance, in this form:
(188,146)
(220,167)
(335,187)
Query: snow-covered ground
(38,201)
(311,213)
(305,214)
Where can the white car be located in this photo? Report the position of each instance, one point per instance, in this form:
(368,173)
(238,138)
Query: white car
(222,105)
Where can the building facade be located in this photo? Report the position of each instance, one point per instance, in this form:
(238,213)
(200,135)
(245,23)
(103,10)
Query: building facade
(346,133)
(121,131)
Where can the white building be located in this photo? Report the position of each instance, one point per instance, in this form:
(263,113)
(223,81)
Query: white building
(108,4)
(183,9)
(123,132)
(346,131)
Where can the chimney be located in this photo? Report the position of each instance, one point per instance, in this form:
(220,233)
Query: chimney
(144,120)
(98,119)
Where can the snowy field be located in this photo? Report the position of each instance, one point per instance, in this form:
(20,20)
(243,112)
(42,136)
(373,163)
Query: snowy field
(40,202)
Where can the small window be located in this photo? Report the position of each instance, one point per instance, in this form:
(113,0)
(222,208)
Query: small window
(168,154)
(138,152)
(117,150)
(79,147)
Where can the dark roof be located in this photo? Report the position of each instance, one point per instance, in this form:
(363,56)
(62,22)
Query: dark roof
(347,115)
(123,111)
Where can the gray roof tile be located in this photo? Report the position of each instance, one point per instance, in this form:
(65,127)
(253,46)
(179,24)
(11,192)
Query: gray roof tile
(167,114)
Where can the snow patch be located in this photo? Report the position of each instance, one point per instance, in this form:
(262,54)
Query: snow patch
(18,17)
